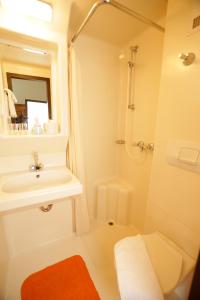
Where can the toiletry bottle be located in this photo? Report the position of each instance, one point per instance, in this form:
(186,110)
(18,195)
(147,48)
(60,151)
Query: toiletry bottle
(37,128)
(51,127)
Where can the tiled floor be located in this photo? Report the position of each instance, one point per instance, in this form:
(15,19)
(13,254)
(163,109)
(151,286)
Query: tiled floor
(96,248)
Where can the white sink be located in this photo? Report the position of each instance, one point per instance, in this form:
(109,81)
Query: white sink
(23,189)
(28,182)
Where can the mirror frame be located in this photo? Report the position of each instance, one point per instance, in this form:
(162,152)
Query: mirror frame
(30,77)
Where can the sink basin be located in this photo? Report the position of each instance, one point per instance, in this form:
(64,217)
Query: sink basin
(28,182)
(23,189)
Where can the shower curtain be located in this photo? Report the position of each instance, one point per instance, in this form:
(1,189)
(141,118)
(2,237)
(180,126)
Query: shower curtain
(75,159)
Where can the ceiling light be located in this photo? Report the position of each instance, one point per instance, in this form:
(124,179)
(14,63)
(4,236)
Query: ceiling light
(35,51)
(33,8)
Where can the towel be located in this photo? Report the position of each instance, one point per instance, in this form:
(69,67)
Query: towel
(136,277)
(11,100)
(66,280)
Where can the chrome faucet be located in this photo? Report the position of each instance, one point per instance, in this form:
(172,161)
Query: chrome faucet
(144,147)
(36,166)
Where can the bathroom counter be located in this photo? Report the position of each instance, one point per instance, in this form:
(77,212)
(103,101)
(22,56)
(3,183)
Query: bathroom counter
(28,189)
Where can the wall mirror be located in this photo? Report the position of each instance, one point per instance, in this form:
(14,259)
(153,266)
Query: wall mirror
(33,94)
(26,76)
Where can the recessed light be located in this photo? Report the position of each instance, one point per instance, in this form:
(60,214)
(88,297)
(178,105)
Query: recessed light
(35,51)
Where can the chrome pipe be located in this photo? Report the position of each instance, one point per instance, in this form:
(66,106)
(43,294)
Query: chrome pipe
(119,6)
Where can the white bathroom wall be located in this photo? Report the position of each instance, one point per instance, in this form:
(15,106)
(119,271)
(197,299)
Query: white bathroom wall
(99,95)
(20,156)
(173,204)
(31,228)
(4,258)
(1,95)
(135,167)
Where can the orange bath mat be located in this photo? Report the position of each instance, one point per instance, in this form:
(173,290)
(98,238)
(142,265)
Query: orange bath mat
(65,280)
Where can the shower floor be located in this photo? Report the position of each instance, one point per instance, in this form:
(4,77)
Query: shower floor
(96,248)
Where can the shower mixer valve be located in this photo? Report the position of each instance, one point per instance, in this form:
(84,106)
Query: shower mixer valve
(144,147)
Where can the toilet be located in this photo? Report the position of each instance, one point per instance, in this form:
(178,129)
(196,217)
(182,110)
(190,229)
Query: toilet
(170,263)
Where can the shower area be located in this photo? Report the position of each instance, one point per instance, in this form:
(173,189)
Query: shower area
(118,51)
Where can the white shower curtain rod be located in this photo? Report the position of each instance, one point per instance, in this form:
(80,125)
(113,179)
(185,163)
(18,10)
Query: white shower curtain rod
(119,6)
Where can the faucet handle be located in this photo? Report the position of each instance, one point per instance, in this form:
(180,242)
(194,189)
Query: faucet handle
(141,145)
(32,168)
(37,166)
(150,146)
(35,157)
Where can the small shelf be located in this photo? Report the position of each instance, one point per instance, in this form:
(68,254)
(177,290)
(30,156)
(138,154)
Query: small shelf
(31,136)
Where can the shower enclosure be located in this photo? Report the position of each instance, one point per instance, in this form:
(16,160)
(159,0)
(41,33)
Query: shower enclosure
(117,85)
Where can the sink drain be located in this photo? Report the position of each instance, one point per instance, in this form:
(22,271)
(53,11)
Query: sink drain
(111,223)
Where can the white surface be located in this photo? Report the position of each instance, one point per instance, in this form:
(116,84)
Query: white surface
(174,193)
(96,248)
(166,260)
(141,122)
(188,155)
(51,127)
(19,163)
(41,257)
(31,181)
(75,153)
(27,229)
(184,154)
(28,194)
(36,9)
(188,262)
(37,111)
(113,201)
(98,91)
(136,277)
(10,99)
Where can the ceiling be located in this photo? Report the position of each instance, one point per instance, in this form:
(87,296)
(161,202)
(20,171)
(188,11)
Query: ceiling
(112,25)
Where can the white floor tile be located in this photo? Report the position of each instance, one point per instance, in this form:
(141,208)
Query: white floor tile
(96,248)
